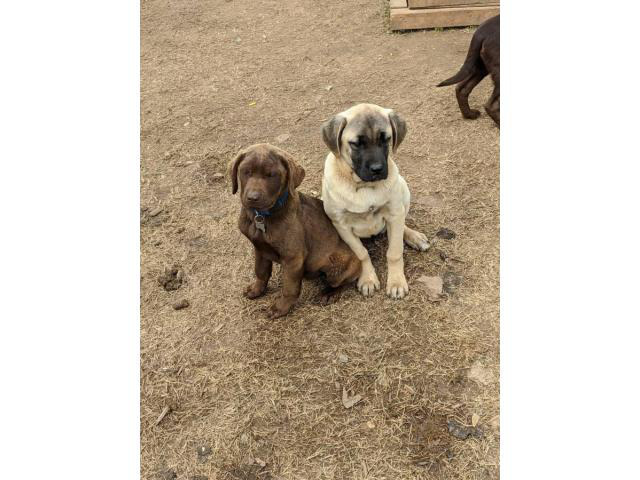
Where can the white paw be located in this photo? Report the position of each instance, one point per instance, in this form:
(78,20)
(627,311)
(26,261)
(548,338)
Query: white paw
(397,287)
(368,283)
(417,241)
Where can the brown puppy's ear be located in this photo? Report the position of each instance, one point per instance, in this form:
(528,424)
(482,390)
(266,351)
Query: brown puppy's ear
(399,127)
(295,173)
(332,133)
(233,167)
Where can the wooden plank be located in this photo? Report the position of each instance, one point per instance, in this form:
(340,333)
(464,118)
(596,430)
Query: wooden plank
(398,4)
(407,19)
(449,3)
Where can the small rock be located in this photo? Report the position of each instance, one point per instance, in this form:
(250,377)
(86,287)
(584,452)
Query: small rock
(184,303)
(168,475)
(348,401)
(217,176)
(433,287)
(495,423)
(371,425)
(475,418)
(451,281)
(443,256)
(198,242)
(180,230)
(262,463)
(203,453)
(446,234)
(342,358)
(283,138)
(462,432)
(328,88)
(172,278)
(478,373)
(155,212)
(186,124)
(314,193)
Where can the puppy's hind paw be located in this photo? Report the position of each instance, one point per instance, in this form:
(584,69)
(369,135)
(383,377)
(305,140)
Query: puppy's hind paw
(472,115)
(416,240)
(255,290)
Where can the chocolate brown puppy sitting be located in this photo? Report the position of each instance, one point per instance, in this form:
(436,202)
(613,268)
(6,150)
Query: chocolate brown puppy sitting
(287,227)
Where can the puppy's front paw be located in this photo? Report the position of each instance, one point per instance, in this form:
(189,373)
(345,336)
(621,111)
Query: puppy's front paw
(368,283)
(397,286)
(279,309)
(254,290)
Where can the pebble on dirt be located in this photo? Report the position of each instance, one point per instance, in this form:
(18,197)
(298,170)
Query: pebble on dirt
(451,281)
(283,138)
(348,401)
(172,278)
(168,475)
(462,432)
(203,453)
(184,303)
(155,212)
(446,234)
(433,287)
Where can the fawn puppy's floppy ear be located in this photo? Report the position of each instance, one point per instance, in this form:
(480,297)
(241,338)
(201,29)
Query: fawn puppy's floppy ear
(399,127)
(332,133)
(233,166)
(295,173)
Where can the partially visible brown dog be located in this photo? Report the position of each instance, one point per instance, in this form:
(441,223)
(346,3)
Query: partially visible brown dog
(482,59)
(287,227)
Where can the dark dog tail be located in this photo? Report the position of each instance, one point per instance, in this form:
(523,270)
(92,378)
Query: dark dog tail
(469,65)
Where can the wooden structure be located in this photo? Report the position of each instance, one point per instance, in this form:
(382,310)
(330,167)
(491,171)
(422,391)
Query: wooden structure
(416,14)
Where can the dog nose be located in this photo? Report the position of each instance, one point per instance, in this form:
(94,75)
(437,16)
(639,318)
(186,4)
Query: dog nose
(253,196)
(376,167)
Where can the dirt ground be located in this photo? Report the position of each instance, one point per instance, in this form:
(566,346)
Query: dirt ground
(249,398)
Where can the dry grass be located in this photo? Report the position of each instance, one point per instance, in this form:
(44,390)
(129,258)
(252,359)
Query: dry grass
(250,388)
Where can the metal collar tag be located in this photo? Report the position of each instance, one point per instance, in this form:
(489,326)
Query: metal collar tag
(259,220)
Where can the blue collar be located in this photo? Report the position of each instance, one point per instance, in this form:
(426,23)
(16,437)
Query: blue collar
(282,199)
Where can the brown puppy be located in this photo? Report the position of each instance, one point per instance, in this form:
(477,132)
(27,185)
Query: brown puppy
(287,227)
(482,59)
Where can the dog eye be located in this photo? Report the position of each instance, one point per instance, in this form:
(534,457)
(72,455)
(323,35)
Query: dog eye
(384,138)
(354,144)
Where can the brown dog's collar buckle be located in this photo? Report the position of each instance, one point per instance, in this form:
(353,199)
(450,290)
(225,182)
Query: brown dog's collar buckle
(259,220)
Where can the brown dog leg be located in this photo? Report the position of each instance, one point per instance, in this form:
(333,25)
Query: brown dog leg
(292,273)
(463,89)
(493,105)
(330,294)
(263,274)
(342,270)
